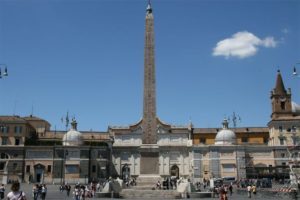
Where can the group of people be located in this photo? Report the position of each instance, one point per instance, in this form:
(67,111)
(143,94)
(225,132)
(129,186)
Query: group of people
(223,191)
(169,183)
(39,190)
(80,191)
(250,190)
(130,182)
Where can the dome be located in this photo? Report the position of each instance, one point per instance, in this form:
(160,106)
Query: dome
(72,137)
(225,136)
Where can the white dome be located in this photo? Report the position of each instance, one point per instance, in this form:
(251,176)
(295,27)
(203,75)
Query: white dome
(225,136)
(72,137)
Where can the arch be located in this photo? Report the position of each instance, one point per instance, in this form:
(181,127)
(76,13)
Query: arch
(38,174)
(174,171)
(125,172)
(4,156)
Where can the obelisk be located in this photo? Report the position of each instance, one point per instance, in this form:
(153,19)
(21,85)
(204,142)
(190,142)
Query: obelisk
(149,148)
(149,112)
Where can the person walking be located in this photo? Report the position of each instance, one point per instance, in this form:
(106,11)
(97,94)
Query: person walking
(230,189)
(249,190)
(15,194)
(68,189)
(35,191)
(253,188)
(77,192)
(2,190)
(44,192)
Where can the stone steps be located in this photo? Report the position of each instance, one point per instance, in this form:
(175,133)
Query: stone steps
(147,194)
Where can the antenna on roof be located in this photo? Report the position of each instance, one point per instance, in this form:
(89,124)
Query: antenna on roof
(235,119)
(66,119)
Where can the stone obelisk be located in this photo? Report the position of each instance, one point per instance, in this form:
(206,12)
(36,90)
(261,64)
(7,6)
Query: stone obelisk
(149,148)
(149,114)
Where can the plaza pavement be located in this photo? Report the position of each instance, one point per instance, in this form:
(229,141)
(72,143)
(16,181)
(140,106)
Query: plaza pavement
(54,194)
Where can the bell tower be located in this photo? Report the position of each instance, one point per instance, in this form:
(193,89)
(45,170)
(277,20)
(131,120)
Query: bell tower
(281,99)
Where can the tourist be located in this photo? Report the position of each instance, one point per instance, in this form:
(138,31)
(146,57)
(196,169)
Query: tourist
(253,188)
(44,192)
(249,190)
(35,191)
(158,185)
(2,190)
(77,192)
(15,193)
(83,192)
(61,188)
(223,194)
(230,189)
(68,189)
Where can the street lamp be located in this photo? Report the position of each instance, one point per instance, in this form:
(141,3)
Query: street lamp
(295,73)
(5,71)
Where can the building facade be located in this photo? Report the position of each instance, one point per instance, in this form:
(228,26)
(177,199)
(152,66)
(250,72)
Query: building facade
(150,149)
(31,152)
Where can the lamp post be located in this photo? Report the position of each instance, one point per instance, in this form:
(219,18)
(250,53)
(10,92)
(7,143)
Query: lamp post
(295,73)
(4,73)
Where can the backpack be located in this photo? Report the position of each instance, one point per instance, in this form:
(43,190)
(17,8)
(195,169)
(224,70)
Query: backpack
(21,197)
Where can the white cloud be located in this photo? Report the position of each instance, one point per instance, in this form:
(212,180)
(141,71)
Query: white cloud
(242,44)
(285,30)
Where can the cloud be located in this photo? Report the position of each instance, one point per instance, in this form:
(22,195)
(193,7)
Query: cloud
(285,30)
(242,45)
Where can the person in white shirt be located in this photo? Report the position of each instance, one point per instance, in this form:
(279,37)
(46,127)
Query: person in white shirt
(15,194)
(249,189)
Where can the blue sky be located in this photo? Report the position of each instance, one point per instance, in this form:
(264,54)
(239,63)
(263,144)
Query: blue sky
(213,58)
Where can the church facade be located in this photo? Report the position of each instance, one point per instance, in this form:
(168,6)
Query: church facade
(150,150)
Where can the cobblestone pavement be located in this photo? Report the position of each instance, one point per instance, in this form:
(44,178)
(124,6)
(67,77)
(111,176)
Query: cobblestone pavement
(55,194)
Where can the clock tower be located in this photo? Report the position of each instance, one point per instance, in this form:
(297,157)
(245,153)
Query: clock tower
(281,99)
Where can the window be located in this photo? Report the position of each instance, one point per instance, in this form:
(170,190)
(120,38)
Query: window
(18,129)
(15,165)
(228,167)
(17,141)
(125,156)
(94,168)
(2,165)
(4,140)
(282,105)
(294,138)
(280,128)
(281,141)
(49,168)
(72,169)
(294,128)
(244,139)
(202,140)
(4,129)
(27,168)
(282,155)
(4,156)
(266,140)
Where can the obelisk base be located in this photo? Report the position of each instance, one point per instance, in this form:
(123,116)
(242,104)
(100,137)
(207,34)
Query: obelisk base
(149,159)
